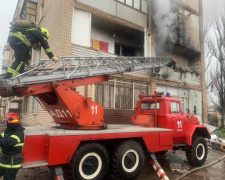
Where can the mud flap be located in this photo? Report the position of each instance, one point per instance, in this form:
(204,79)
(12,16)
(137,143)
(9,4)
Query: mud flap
(158,169)
(58,173)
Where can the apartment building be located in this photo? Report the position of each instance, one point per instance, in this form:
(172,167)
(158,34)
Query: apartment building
(122,28)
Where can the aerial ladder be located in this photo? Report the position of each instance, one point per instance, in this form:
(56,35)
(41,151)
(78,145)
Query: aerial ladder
(54,85)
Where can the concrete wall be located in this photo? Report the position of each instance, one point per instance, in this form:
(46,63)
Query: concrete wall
(168,74)
(101,35)
(118,10)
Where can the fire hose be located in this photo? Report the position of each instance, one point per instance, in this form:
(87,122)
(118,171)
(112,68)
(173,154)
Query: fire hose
(199,168)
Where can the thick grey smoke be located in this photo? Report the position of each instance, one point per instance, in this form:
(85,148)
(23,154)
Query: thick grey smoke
(165,19)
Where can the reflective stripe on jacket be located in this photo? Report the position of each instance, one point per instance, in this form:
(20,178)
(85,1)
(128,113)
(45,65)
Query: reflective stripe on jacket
(12,142)
(22,37)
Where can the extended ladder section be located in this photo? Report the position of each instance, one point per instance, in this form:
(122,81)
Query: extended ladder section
(54,85)
(81,67)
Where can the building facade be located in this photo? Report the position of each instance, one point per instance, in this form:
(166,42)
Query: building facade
(123,28)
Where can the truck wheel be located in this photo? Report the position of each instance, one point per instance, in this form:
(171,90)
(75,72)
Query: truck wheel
(197,153)
(128,160)
(90,162)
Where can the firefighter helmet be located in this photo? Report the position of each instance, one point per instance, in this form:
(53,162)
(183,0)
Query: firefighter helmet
(45,32)
(12,118)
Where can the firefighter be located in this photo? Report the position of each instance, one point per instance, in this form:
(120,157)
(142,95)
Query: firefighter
(11,142)
(22,42)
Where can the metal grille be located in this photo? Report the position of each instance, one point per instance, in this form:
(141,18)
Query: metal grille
(125,95)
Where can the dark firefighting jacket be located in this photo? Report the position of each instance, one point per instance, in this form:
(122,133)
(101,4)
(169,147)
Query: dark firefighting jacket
(32,37)
(12,142)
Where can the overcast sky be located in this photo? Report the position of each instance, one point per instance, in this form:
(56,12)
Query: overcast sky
(7,9)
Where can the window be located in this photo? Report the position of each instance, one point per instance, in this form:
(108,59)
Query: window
(137,4)
(144,6)
(179,93)
(35,105)
(120,93)
(129,2)
(175,107)
(26,104)
(149,106)
(141,5)
(81,28)
(122,50)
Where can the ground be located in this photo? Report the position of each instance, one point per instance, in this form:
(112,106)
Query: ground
(220,132)
(173,162)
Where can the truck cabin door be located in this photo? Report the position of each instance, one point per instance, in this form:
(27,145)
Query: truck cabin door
(177,120)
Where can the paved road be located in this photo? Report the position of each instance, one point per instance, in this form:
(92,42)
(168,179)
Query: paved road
(173,162)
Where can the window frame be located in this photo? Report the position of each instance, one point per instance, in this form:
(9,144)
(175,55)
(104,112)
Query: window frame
(35,106)
(177,105)
(121,93)
(26,104)
(152,103)
(124,2)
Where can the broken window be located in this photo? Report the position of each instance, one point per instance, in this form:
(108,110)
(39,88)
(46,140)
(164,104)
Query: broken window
(122,50)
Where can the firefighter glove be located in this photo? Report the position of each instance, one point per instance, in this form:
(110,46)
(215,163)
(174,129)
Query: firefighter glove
(54,58)
(28,63)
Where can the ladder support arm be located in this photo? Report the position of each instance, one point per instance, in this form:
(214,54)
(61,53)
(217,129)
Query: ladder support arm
(32,90)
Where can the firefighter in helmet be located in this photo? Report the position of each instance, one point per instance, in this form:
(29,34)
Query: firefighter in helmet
(11,142)
(22,42)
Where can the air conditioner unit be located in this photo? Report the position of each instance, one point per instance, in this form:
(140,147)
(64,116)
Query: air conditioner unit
(157,70)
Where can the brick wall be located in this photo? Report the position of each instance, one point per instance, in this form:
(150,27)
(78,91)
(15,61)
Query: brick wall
(57,18)
(202,67)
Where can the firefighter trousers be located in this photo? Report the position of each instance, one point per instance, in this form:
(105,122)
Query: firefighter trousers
(8,174)
(21,52)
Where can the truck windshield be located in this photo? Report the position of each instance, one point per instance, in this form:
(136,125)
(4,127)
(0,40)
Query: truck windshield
(149,105)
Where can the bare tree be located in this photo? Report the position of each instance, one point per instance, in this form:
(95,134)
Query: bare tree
(215,45)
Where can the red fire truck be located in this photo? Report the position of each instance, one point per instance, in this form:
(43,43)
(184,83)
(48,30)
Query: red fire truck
(83,146)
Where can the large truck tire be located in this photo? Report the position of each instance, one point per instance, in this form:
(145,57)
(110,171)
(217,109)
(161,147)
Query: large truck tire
(90,162)
(197,153)
(128,160)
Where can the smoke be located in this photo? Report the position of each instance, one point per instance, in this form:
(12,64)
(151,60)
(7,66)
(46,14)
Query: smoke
(166,19)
